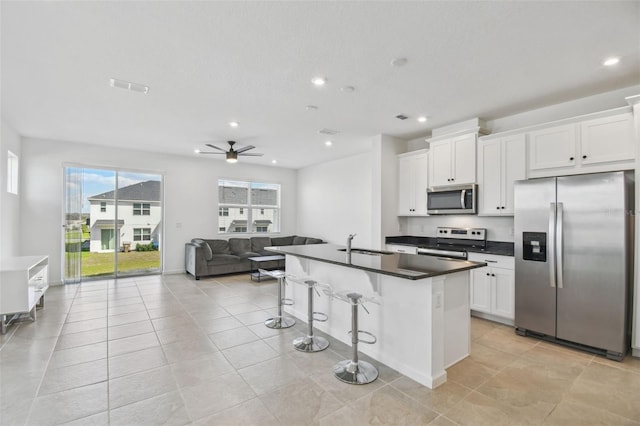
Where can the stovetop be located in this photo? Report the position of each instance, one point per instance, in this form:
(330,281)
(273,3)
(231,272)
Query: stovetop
(501,248)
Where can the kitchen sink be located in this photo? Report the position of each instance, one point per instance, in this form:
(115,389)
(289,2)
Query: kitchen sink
(367,251)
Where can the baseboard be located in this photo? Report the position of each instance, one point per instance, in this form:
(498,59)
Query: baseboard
(174,272)
(494,318)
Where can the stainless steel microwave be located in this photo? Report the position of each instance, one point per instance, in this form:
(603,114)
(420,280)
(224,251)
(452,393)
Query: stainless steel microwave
(454,199)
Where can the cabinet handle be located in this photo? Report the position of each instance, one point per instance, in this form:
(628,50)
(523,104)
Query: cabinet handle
(502,207)
(452,179)
(570,158)
(493,275)
(488,274)
(498,208)
(584,156)
(490,261)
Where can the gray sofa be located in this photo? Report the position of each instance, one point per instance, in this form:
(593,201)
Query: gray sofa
(205,257)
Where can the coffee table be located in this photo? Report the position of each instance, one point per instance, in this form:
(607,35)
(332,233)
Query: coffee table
(257,261)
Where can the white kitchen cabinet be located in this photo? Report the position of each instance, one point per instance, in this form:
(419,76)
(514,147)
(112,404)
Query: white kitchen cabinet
(601,144)
(492,289)
(412,183)
(453,161)
(552,148)
(500,163)
(607,139)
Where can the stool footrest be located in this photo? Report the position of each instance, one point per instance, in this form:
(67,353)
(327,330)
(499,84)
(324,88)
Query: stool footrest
(368,342)
(320,316)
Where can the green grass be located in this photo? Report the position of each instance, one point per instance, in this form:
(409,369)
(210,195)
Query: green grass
(96,264)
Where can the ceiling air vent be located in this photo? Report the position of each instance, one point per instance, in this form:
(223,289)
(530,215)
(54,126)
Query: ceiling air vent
(402,117)
(127,85)
(328,132)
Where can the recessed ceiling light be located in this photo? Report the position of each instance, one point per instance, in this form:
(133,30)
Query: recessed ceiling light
(611,61)
(422,119)
(319,81)
(234,124)
(197,151)
(274,161)
(328,143)
(399,62)
(347,89)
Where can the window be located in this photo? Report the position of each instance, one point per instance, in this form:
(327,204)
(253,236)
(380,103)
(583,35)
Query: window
(103,206)
(12,173)
(252,207)
(141,234)
(141,209)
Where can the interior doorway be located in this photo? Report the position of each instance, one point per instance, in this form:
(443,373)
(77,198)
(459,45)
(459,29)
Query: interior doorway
(112,223)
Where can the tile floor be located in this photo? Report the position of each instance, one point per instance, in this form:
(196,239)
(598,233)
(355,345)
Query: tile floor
(172,350)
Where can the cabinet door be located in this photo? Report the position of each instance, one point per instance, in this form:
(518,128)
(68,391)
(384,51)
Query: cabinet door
(464,159)
(440,163)
(489,180)
(552,148)
(607,139)
(405,186)
(513,168)
(480,290)
(503,284)
(421,182)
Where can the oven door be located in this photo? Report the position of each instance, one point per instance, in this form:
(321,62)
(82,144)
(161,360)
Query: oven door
(459,199)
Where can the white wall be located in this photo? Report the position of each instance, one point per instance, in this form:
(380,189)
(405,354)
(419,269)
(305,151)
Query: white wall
(9,203)
(334,200)
(190,194)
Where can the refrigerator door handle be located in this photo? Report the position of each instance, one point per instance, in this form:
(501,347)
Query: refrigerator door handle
(559,245)
(551,244)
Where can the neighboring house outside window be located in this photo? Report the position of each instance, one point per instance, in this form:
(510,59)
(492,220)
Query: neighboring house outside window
(12,173)
(249,207)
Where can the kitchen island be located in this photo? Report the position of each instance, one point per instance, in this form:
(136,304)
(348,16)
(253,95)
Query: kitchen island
(419,312)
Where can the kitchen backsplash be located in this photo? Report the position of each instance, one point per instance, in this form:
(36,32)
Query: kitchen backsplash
(498,228)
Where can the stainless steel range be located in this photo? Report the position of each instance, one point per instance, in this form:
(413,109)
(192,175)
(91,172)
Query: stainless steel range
(454,242)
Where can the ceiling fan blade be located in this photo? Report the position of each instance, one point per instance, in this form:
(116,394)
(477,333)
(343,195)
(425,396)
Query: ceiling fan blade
(215,147)
(245,148)
(249,154)
(208,152)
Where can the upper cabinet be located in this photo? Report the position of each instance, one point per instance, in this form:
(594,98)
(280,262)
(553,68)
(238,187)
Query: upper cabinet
(412,183)
(453,161)
(501,162)
(599,144)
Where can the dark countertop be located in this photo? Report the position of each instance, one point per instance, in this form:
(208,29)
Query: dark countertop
(500,248)
(407,266)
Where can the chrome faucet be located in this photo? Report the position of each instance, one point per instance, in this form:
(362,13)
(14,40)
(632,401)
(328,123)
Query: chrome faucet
(349,239)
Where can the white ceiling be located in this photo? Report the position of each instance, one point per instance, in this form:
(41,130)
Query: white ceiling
(208,63)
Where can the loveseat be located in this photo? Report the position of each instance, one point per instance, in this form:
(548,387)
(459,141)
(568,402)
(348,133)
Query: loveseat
(205,257)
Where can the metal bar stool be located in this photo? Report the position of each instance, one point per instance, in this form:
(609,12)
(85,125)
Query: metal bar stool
(352,370)
(311,343)
(280,321)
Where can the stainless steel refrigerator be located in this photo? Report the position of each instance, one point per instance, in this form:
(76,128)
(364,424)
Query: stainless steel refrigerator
(574,260)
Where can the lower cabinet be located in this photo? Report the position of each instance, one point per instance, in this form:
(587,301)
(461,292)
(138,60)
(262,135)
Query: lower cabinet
(492,287)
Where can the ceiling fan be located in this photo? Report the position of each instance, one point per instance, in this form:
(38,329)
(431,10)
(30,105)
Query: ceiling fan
(232,154)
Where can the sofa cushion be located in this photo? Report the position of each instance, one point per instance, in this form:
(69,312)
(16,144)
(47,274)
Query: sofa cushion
(298,240)
(239,245)
(223,259)
(219,246)
(313,241)
(282,241)
(205,246)
(259,243)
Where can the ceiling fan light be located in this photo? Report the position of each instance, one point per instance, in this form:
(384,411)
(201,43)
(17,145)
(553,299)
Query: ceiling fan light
(232,157)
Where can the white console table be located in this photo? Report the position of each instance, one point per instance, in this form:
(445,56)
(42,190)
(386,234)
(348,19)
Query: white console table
(23,282)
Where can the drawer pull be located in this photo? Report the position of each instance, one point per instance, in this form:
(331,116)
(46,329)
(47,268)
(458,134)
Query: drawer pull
(491,261)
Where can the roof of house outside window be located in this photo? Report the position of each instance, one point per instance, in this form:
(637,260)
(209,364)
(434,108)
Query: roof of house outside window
(108,223)
(141,191)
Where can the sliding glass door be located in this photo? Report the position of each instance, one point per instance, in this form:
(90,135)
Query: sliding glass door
(115,219)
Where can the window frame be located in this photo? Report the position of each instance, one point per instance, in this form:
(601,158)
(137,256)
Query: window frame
(142,232)
(143,210)
(250,212)
(13,173)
